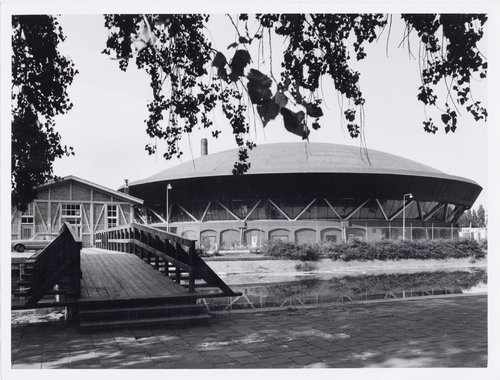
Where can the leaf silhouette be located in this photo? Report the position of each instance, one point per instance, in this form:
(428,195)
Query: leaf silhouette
(219,60)
(280,99)
(313,110)
(259,87)
(294,123)
(445,118)
(240,59)
(220,63)
(268,111)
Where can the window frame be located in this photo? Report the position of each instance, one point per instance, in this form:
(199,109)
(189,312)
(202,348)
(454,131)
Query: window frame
(115,217)
(28,216)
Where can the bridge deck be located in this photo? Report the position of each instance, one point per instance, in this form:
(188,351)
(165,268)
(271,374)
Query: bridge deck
(110,275)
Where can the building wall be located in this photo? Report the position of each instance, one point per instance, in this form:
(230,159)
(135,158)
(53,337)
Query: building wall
(235,234)
(228,223)
(474,233)
(86,208)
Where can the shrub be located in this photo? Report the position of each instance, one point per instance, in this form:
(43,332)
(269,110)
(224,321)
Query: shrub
(483,244)
(378,250)
(288,250)
(279,248)
(306,267)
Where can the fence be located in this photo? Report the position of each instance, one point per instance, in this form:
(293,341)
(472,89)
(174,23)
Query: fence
(167,252)
(57,264)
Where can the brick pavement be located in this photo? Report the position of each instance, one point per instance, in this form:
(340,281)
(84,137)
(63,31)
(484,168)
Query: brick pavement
(435,332)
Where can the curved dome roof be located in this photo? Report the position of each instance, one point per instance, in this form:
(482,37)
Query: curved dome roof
(296,158)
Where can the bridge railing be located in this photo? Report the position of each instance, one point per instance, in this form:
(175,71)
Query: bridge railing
(57,264)
(163,250)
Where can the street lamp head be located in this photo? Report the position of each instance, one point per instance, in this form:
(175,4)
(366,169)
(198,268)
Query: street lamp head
(409,195)
(169,186)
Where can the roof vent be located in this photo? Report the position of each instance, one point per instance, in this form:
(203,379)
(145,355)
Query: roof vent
(125,188)
(204,147)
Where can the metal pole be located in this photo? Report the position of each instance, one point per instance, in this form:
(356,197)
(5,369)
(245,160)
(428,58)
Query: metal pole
(169,187)
(409,195)
(404,209)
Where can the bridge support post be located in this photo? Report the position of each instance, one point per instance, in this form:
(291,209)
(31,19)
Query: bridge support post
(192,252)
(165,251)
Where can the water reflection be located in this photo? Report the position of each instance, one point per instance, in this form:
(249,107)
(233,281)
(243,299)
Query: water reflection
(309,290)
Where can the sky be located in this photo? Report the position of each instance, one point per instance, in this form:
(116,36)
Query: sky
(106,127)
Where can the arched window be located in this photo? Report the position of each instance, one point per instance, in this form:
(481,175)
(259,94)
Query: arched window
(305,235)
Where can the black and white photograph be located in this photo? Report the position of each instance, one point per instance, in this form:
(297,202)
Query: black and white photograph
(249,187)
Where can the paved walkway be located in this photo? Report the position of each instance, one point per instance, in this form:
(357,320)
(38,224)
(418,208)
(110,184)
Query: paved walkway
(437,332)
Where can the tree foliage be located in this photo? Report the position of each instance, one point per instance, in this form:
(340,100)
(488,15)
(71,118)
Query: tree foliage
(40,78)
(189,78)
(473,218)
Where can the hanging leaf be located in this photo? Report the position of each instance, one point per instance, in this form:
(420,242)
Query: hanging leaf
(313,110)
(219,60)
(243,40)
(259,87)
(233,45)
(220,63)
(280,99)
(445,118)
(294,123)
(429,126)
(353,129)
(240,59)
(350,115)
(268,111)
(256,76)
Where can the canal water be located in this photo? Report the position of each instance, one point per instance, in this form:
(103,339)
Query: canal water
(315,289)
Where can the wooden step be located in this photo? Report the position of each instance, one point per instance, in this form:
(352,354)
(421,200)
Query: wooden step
(183,276)
(24,283)
(27,291)
(21,293)
(200,285)
(133,312)
(123,323)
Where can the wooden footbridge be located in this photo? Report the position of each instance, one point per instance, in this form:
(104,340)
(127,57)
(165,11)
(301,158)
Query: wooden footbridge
(137,275)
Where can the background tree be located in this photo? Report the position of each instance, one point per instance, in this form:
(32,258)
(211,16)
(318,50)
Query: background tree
(40,78)
(473,218)
(481,215)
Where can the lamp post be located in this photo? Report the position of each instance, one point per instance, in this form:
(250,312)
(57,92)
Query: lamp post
(169,187)
(410,196)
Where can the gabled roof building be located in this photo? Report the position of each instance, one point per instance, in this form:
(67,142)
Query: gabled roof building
(87,206)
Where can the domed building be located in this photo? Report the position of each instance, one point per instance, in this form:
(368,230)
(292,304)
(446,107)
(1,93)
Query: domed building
(303,192)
